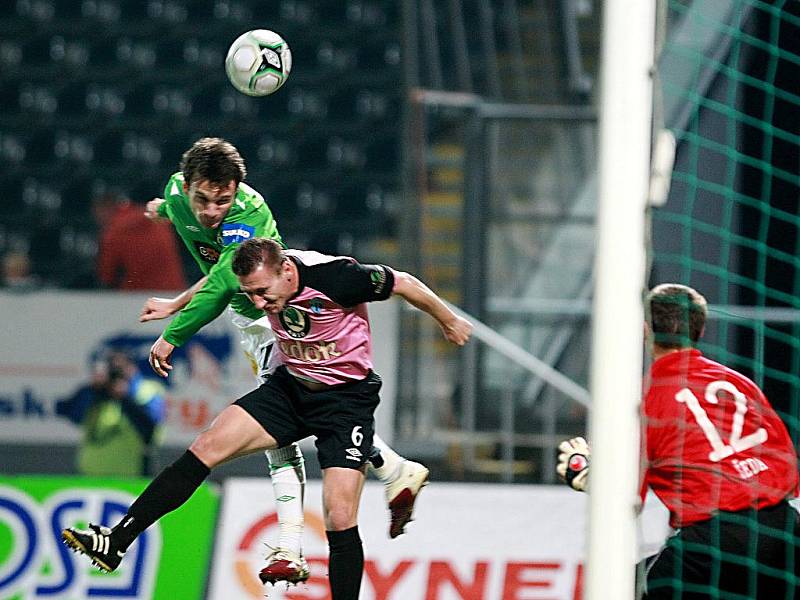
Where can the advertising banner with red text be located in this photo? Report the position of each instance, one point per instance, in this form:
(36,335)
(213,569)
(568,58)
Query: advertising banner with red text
(468,542)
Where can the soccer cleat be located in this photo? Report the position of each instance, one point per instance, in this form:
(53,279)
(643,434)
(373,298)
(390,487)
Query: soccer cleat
(283,565)
(96,543)
(402,492)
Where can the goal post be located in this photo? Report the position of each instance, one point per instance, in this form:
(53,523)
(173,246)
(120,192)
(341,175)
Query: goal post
(626,89)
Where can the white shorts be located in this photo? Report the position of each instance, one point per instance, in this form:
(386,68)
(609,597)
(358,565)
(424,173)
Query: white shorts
(256,339)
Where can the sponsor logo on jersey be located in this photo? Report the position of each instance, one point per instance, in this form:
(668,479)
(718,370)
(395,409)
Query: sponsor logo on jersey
(236,233)
(310,352)
(378,278)
(207,253)
(295,322)
(192,228)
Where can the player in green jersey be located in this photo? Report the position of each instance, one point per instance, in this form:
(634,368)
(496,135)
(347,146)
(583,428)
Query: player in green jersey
(214,211)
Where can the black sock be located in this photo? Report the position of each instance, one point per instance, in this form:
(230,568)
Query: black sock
(375,457)
(171,488)
(346,565)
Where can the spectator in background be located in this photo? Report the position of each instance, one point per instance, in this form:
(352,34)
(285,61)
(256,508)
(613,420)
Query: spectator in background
(17,275)
(120,412)
(135,253)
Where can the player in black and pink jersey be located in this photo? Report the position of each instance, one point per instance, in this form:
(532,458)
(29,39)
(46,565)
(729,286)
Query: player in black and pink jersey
(325,387)
(721,460)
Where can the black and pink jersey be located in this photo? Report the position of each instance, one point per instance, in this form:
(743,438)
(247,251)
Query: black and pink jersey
(323,332)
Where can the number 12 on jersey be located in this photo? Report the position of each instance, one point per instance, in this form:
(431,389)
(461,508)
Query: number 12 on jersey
(736,443)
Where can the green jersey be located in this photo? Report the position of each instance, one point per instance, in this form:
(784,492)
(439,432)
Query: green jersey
(213,249)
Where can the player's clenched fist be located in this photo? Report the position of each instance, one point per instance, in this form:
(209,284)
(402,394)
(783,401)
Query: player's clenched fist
(151,210)
(573,463)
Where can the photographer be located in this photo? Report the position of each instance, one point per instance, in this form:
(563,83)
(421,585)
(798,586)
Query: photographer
(120,412)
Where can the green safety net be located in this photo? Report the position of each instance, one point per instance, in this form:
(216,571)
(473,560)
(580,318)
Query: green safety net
(728,87)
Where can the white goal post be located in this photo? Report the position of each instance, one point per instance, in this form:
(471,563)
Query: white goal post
(625,118)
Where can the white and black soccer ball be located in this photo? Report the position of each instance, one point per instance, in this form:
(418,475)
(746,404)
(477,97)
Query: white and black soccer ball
(258,62)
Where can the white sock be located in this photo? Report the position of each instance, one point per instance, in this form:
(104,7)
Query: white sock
(287,468)
(392,461)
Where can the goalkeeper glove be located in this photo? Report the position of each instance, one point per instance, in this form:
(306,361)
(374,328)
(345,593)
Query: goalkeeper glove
(573,463)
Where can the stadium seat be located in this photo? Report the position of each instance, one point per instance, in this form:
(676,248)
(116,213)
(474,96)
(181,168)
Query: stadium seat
(68,51)
(104,99)
(345,153)
(137,53)
(305,103)
(10,54)
(271,151)
(12,149)
(203,53)
(106,11)
(333,54)
(168,11)
(300,12)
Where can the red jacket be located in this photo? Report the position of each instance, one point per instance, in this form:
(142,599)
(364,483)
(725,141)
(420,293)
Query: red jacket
(136,253)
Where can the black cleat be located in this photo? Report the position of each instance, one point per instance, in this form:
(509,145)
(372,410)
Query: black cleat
(96,543)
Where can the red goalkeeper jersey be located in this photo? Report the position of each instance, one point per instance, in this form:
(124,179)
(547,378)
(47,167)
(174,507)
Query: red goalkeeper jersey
(712,440)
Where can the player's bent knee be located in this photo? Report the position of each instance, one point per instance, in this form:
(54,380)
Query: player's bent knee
(207,448)
(339,518)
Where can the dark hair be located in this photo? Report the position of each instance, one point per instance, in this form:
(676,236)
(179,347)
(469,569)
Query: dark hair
(677,315)
(257,251)
(213,159)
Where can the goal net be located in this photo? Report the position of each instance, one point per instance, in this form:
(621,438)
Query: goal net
(728,89)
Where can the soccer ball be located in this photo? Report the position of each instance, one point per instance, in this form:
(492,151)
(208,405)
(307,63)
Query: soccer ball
(258,62)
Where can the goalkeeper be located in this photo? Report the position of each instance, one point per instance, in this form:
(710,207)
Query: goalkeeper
(213,212)
(720,459)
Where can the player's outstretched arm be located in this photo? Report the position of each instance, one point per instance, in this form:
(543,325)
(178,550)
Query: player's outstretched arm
(456,329)
(160,308)
(573,463)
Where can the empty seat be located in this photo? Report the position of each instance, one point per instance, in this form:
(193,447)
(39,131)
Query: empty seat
(104,52)
(312,152)
(383,153)
(208,100)
(72,99)
(379,54)
(41,148)
(139,100)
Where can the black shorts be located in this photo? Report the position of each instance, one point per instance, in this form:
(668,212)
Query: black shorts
(744,554)
(340,416)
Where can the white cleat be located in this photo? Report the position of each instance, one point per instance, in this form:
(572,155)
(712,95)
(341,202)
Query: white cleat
(402,492)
